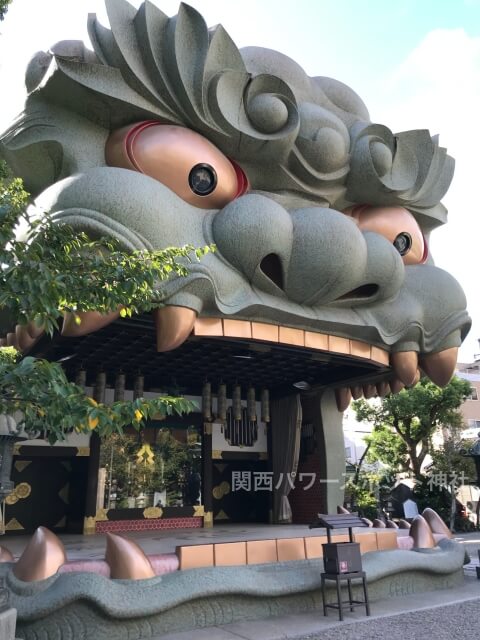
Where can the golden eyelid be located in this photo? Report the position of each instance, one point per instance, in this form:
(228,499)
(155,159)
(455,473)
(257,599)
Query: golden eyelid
(390,222)
(168,153)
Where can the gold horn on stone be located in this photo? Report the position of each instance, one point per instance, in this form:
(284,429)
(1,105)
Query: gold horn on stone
(83,322)
(343,397)
(6,555)
(126,559)
(173,326)
(436,524)
(42,557)
(421,533)
(405,364)
(440,366)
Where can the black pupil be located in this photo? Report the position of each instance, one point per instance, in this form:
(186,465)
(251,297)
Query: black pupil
(403,243)
(202,179)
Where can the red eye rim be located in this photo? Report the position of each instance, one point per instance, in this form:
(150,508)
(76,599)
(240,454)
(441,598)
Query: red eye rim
(425,250)
(132,134)
(243,184)
(242,181)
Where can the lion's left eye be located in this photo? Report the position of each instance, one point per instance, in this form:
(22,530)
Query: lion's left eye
(184,161)
(397,225)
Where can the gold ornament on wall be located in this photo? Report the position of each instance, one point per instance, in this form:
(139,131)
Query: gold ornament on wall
(152,512)
(21,491)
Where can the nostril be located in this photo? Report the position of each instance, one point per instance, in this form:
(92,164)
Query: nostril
(365,291)
(272,268)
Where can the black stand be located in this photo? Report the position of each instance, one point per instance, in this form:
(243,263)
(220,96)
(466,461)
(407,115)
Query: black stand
(338,577)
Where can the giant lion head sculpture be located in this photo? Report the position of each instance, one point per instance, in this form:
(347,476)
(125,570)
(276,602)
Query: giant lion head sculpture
(167,134)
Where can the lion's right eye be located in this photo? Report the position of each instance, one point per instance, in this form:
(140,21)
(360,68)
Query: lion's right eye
(182,160)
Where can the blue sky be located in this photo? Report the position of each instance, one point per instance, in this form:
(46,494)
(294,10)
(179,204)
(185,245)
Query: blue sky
(415,63)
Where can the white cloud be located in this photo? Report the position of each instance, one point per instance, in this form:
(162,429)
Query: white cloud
(438,87)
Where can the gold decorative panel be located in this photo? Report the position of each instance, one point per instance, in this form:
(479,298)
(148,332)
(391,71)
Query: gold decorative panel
(152,512)
(63,493)
(221,490)
(23,490)
(89,525)
(13,525)
(21,465)
(61,523)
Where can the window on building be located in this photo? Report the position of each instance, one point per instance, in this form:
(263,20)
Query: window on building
(473,395)
(473,424)
(348,452)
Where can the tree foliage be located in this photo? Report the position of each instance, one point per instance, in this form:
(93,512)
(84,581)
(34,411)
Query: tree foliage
(47,269)
(42,400)
(4,8)
(405,422)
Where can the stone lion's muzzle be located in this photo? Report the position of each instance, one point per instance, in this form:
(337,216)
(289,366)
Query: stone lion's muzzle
(311,274)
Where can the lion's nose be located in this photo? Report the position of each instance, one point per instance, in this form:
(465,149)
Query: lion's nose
(312,256)
(255,235)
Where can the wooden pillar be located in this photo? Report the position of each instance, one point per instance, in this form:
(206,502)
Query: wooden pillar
(207,475)
(94,462)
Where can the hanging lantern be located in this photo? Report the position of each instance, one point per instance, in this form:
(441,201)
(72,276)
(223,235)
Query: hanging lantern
(207,401)
(237,402)
(99,388)
(81,378)
(222,402)
(265,402)
(138,386)
(251,404)
(119,393)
